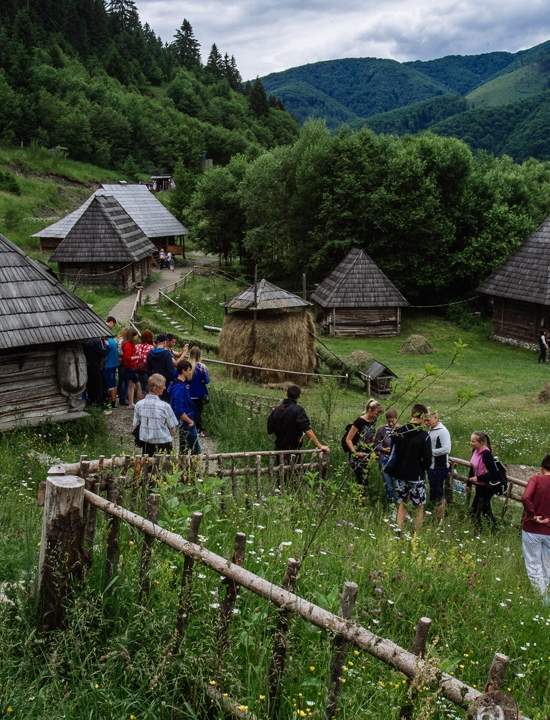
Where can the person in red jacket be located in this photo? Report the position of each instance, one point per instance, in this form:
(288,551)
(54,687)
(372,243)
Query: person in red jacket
(128,365)
(535,534)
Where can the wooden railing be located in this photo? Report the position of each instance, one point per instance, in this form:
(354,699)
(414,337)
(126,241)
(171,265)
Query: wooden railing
(515,490)
(69,523)
(180,282)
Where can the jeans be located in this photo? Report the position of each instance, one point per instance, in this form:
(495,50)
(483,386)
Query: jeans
(388,483)
(189,440)
(536,553)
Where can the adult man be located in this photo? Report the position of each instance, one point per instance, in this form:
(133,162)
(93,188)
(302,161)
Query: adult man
(289,423)
(412,456)
(535,532)
(160,361)
(184,408)
(438,472)
(95,352)
(155,418)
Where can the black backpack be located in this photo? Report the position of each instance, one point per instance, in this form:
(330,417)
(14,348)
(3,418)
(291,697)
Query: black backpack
(343,442)
(500,486)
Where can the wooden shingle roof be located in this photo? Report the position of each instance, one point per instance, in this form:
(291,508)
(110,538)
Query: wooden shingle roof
(104,233)
(269,297)
(35,309)
(526,274)
(138,201)
(357,282)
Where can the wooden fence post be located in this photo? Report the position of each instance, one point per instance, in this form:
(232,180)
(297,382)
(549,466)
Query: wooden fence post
(494,703)
(112,535)
(278,656)
(232,590)
(339,650)
(60,558)
(153,501)
(183,608)
(419,649)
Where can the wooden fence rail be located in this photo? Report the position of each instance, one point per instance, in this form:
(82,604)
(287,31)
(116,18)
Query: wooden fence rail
(66,498)
(516,486)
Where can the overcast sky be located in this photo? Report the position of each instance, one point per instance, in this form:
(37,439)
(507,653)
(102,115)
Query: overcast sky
(270,35)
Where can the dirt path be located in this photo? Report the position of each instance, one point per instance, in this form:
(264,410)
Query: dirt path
(123,308)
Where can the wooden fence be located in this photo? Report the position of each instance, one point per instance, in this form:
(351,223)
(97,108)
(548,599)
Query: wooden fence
(516,486)
(68,533)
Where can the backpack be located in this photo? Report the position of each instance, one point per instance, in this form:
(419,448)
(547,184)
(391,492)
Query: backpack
(500,487)
(345,447)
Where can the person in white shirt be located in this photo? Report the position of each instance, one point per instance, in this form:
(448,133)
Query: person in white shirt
(438,472)
(155,419)
(543,347)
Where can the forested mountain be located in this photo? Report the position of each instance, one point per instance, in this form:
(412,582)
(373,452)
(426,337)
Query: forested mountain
(90,77)
(482,99)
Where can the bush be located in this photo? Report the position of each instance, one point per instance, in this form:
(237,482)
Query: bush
(8,182)
(465,317)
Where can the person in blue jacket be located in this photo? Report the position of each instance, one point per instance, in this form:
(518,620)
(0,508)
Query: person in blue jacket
(184,409)
(199,386)
(160,361)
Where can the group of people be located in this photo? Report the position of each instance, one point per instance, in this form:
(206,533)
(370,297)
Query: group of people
(408,454)
(166,260)
(167,388)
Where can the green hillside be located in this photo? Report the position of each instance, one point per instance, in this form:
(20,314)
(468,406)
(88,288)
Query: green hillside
(509,87)
(462,73)
(364,86)
(417,116)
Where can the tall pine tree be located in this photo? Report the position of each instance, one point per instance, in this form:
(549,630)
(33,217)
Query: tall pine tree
(124,12)
(257,98)
(187,47)
(231,71)
(214,64)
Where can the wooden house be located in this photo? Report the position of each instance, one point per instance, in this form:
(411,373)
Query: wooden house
(105,247)
(358,299)
(42,328)
(519,291)
(266,326)
(149,214)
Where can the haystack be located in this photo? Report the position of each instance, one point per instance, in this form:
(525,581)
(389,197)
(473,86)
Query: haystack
(544,395)
(416,345)
(280,334)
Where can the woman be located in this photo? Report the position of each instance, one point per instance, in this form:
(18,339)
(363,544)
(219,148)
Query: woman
(128,365)
(382,446)
(484,475)
(143,349)
(199,386)
(359,440)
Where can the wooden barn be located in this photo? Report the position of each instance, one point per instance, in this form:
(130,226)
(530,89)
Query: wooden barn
(148,213)
(42,328)
(519,291)
(358,299)
(105,247)
(266,326)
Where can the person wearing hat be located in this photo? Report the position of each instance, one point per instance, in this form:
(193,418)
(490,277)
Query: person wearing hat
(161,362)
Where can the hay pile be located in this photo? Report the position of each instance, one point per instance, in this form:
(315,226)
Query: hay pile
(416,345)
(359,360)
(283,340)
(544,394)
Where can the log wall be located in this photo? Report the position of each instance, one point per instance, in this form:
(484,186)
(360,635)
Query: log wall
(516,320)
(106,274)
(374,322)
(29,393)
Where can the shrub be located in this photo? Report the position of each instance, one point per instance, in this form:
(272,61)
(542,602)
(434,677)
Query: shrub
(8,182)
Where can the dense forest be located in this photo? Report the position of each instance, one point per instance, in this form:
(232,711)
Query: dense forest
(436,217)
(481,99)
(89,77)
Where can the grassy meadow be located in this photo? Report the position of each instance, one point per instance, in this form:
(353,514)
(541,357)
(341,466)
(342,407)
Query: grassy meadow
(110,660)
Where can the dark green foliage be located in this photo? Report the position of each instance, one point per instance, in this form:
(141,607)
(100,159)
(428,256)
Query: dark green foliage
(433,216)
(187,47)
(257,98)
(462,73)
(105,87)
(417,116)
(8,183)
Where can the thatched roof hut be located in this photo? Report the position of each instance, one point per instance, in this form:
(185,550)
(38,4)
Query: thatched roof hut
(358,299)
(520,291)
(42,327)
(266,326)
(148,213)
(105,247)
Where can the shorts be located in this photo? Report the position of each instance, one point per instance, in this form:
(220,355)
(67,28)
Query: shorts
(411,490)
(437,477)
(109,378)
(130,375)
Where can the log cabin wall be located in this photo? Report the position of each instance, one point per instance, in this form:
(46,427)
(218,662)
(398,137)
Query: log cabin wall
(373,322)
(47,244)
(105,274)
(29,392)
(516,320)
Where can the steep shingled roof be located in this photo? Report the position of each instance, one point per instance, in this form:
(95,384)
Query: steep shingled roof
(138,201)
(357,282)
(35,309)
(526,274)
(269,297)
(104,233)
